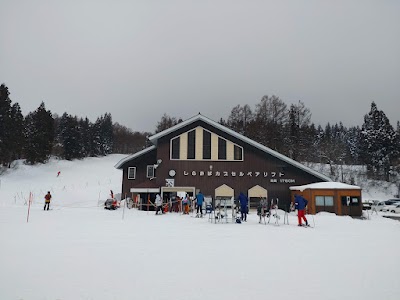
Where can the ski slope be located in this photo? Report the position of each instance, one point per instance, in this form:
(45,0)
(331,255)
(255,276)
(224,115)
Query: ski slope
(78,250)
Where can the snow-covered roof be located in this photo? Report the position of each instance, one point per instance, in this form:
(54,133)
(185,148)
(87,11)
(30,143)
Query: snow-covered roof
(137,154)
(325,185)
(154,140)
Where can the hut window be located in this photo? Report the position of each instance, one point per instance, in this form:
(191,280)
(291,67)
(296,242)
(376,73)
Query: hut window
(206,144)
(349,200)
(221,148)
(176,142)
(324,200)
(355,201)
(132,173)
(191,145)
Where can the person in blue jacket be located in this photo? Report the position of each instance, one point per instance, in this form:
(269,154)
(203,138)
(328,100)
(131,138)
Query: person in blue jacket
(300,204)
(199,203)
(243,200)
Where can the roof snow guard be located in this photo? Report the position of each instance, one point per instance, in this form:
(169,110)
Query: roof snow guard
(154,140)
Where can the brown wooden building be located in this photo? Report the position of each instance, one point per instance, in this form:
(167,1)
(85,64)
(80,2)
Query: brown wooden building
(201,154)
(335,197)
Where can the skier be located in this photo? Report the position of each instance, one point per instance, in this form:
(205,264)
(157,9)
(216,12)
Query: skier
(199,203)
(158,204)
(262,208)
(300,204)
(185,203)
(47,199)
(243,206)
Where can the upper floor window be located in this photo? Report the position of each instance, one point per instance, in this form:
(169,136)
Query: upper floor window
(237,153)
(221,148)
(176,143)
(191,150)
(132,173)
(150,171)
(206,144)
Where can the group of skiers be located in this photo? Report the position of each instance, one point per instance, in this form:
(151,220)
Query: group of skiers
(185,201)
(263,209)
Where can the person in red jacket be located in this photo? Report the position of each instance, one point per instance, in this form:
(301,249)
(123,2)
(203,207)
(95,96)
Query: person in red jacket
(47,199)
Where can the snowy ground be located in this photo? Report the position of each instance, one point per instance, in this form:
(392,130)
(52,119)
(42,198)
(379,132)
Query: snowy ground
(81,251)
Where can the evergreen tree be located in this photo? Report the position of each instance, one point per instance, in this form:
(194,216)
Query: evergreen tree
(70,136)
(378,143)
(296,142)
(5,125)
(17,132)
(107,134)
(102,133)
(87,137)
(39,135)
(353,143)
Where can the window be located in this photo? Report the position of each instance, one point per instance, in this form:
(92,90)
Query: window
(350,200)
(206,144)
(132,173)
(191,154)
(238,153)
(324,200)
(221,148)
(176,142)
(150,171)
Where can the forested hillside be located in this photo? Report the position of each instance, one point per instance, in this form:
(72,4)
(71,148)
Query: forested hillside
(286,129)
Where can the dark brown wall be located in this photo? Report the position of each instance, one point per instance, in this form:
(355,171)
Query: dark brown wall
(255,160)
(140,163)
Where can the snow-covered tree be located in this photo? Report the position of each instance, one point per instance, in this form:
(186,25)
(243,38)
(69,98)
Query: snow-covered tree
(378,143)
(296,141)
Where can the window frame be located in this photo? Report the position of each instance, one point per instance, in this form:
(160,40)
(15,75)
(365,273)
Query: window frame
(324,200)
(147,171)
(191,144)
(219,151)
(235,146)
(206,147)
(178,148)
(134,173)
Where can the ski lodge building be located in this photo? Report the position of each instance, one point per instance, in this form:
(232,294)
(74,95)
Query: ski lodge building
(200,154)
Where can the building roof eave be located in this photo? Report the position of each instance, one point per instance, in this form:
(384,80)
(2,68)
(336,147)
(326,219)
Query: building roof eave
(132,156)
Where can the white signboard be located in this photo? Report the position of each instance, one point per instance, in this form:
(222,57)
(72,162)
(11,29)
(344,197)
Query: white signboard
(170,182)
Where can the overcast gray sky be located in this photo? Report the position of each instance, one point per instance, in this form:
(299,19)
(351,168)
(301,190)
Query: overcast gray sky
(141,59)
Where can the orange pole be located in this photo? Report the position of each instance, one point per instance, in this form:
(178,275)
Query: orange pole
(29,206)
